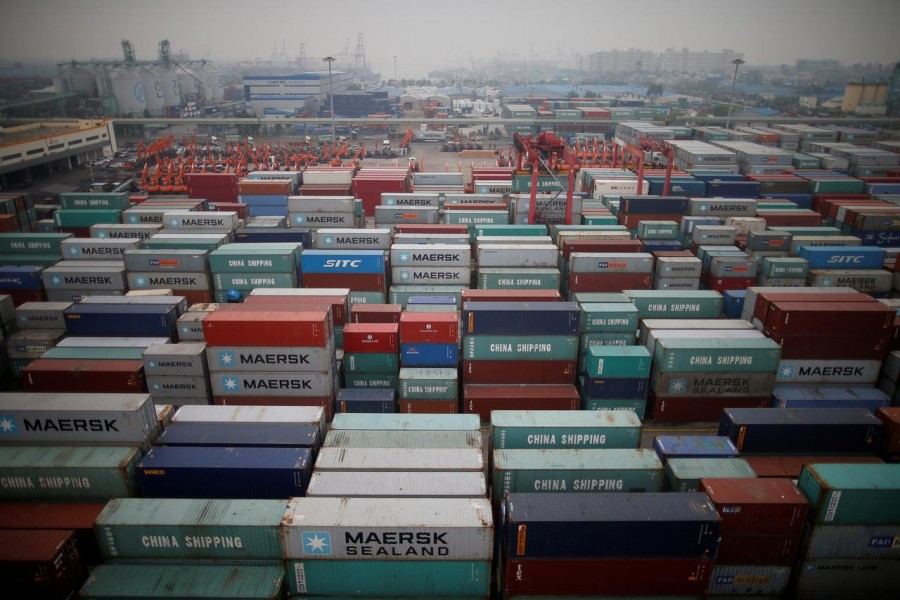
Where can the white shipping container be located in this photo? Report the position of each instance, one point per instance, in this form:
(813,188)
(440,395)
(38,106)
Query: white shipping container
(314,415)
(320,204)
(223,359)
(41,315)
(409,422)
(176,388)
(206,221)
(328,177)
(352,239)
(854,541)
(443,255)
(182,359)
(388,528)
(431,238)
(397,484)
(676,283)
(648,325)
(517,255)
(271,383)
(403,439)
(399,459)
(110,342)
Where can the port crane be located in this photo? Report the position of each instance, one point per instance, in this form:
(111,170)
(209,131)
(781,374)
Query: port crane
(546,153)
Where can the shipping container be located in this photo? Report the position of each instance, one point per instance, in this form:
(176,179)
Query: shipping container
(136,320)
(403,439)
(757,506)
(399,459)
(523,429)
(40,564)
(385,578)
(240,327)
(853,541)
(251,416)
(521,318)
(830,578)
(749,580)
(78,517)
(852,494)
(405,423)
(791,465)
(693,446)
(182,581)
(269,435)
(684,474)
(397,484)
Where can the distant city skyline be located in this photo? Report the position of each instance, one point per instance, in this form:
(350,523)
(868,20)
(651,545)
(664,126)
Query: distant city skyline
(428,35)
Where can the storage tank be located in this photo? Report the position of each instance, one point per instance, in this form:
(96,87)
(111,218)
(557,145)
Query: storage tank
(171,87)
(218,84)
(128,88)
(188,86)
(79,79)
(153,91)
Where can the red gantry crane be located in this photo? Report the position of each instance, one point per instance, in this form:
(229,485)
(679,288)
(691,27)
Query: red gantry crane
(546,154)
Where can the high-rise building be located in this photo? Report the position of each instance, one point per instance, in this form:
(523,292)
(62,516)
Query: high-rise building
(689,62)
(620,61)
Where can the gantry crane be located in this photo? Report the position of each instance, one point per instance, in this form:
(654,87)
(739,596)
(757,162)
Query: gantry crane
(546,153)
(634,156)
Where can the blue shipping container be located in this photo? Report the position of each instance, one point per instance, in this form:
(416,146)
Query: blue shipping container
(429,355)
(521,318)
(843,257)
(263,199)
(732,189)
(882,239)
(688,187)
(346,261)
(125,320)
(814,397)
(21,278)
(669,205)
(436,300)
(268,210)
(733,303)
(600,388)
(235,435)
(298,235)
(209,472)
(365,400)
(694,446)
(661,246)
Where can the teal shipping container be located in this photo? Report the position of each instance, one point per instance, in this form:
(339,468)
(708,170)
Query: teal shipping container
(638,407)
(614,470)
(608,317)
(170,528)
(852,494)
(365,380)
(685,355)
(520,347)
(518,278)
(676,304)
(375,362)
(255,258)
(391,578)
(618,361)
(80,473)
(684,474)
(547,429)
(184,581)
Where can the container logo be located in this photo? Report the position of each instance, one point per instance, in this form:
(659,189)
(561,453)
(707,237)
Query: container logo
(226,359)
(8,425)
(74,251)
(230,384)
(678,386)
(56,280)
(328,240)
(786,372)
(404,257)
(317,542)
(140,281)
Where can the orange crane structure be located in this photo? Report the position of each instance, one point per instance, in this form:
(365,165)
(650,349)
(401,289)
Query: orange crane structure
(546,153)
(630,156)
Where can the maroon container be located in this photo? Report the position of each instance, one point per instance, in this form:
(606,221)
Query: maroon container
(194,296)
(587,577)
(79,232)
(87,376)
(375,313)
(430,407)
(481,295)
(482,399)
(360,282)
(764,299)
(429,327)
(338,305)
(682,409)
(631,220)
(40,564)
(371,337)
(890,440)
(215,187)
(23,296)
(516,371)
(798,218)
(9,223)
(791,466)
(757,505)
(431,228)
(609,282)
(261,187)
(811,347)
(721,284)
(758,549)
(248,325)
(326,402)
(626,246)
(78,517)
(242,210)
(827,318)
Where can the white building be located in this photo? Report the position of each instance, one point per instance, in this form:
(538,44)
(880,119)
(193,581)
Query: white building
(688,62)
(620,61)
(300,91)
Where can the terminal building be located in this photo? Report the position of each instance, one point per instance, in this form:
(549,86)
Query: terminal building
(300,92)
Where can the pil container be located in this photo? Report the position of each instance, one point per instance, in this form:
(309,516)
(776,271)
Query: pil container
(610,525)
(224,472)
(693,446)
(547,429)
(176,529)
(852,494)
(85,473)
(183,580)
(575,470)
(684,474)
(403,439)
(397,484)
(388,528)
(801,431)
(40,564)
(266,435)
(521,318)
(399,459)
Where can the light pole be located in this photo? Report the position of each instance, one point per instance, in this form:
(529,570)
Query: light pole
(329,60)
(737,63)
(395,71)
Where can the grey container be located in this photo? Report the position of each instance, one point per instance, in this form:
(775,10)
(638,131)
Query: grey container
(388,528)
(831,578)
(110,342)
(392,215)
(62,277)
(199,221)
(433,255)
(404,422)
(169,387)
(279,383)
(186,359)
(190,326)
(215,416)
(684,474)
(269,358)
(97,248)
(517,255)
(678,266)
(854,541)
(352,239)
(179,302)
(404,439)
(89,419)
(399,459)
(397,484)
(610,262)
(181,280)
(648,325)
(41,315)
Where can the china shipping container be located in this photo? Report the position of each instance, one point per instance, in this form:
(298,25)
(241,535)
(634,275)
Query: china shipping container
(184,580)
(521,429)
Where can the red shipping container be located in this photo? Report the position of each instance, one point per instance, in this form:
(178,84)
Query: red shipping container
(827,318)
(430,407)
(791,466)
(481,295)
(82,375)
(194,296)
(336,304)
(431,228)
(242,210)
(681,409)
(138,198)
(763,299)
(78,517)
(23,296)
(758,549)
(482,399)
(607,576)
(627,246)
(631,220)
(890,438)
(9,223)
(324,190)
(41,564)
(371,337)
(256,187)
(757,506)
(609,282)
(429,328)
(375,313)
(721,284)
(516,371)
(361,282)
(794,218)
(244,326)
(214,187)
(811,347)
(326,402)
(79,232)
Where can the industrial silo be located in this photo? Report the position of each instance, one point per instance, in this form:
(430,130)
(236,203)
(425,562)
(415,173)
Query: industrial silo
(187,85)
(75,78)
(207,82)
(128,88)
(171,88)
(218,84)
(153,91)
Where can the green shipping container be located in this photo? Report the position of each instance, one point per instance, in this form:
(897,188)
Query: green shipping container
(108,200)
(96,353)
(618,361)
(520,347)
(29,260)
(788,267)
(85,217)
(638,407)
(675,355)
(848,494)
(361,297)
(172,528)
(255,258)
(613,470)
(624,338)
(403,439)
(404,422)
(376,362)
(599,219)
(837,185)
(251,281)
(33,243)
(506,230)
(684,474)
(657,230)
(392,578)
(146,582)
(599,297)
(506,278)
(476,217)
(366,380)
(82,473)
(608,317)
(425,383)
(677,304)
(547,429)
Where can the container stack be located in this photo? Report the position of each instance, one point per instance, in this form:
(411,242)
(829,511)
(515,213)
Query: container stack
(41,564)
(79,211)
(22,256)
(690,458)
(177,374)
(266,198)
(634,209)
(370,183)
(185,272)
(857,267)
(319,212)
(429,339)
(214,187)
(616,377)
(327,181)
(610,323)
(245,267)
(525,265)
(71,280)
(550,206)
(762,530)
(431,264)
(372,355)
(788,271)
(40,326)
(853,517)
(364,272)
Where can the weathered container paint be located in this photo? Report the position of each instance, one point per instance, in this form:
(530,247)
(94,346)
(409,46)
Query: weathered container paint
(711,385)
(702,334)
(523,429)
(355,400)
(269,435)
(609,317)
(846,576)
(183,580)
(668,304)
(854,494)
(853,541)
(749,579)
(521,318)
(372,380)
(684,474)
(40,564)
(504,347)
(397,484)
(716,355)
(371,362)
(251,416)
(354,578)
(405,423)
(825,397)
(518,278)
(517,255)
(403,439)
(693,446)
(618,362)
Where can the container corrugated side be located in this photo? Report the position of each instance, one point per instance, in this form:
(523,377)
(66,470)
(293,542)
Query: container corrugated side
(389,577)
(749,580)
(252,414)
(184,581)
(404,439)
(397,484)
(854,541)
(405,422)
(516,429)
(847,577)
(399,459)
(852,494)
(684,474)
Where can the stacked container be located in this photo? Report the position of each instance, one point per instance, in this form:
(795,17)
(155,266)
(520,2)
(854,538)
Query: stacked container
(857,267)
(372,355)
(40,326)
(71,280)
(245,267)
(428,341)
(525,265)
(677,271)
(364,272)
(177,374)
(605,324)
(266,198)
(79,211)
(608,272)
(431,264)
(185,272)
(616,377)
(318,212)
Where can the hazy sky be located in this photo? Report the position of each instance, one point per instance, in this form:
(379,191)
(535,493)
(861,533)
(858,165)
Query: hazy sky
(427,34)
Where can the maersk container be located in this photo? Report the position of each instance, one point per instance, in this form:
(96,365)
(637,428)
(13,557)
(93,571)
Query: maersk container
(380,578)
(524,348)
(267,358)
(436,275)
(246,416)
(388,528)
(399,459)
(404,439)
(277,383)
(674,304)
(547,429)
(269,435)
(749,580)
(802,431)
(846,577)
(121,320)
(443,255)
(854,541)
(75,275)
(397,484)
(716,355)
(694,446)
(97,249)
(43,418)
(182,581)
(85,473)
(610,525)
(173,528)
(405,422)
(852,494)
(826,397)
(223,472)
(684,474)
(591,470)
(521,318)
(353,239)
